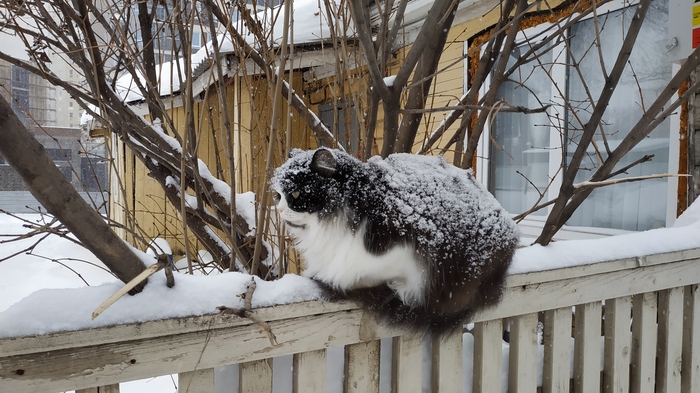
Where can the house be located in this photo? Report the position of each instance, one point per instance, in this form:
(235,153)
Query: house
(521,157)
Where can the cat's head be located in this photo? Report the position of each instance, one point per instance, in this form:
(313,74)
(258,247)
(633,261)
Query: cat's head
(309,182)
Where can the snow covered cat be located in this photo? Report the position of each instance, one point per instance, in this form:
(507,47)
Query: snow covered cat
(414,239)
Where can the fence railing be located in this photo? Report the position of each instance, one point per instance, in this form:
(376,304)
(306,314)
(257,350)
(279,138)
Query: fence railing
(630,325)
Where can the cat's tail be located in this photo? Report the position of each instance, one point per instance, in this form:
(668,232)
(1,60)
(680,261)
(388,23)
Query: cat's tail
(389,308)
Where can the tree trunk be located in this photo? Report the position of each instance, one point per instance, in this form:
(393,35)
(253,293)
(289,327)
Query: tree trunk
(51,188)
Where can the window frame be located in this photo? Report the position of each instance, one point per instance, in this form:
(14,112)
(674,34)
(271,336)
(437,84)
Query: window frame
(559,71)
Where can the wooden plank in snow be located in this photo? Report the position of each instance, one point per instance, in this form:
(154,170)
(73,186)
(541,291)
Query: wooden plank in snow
(670,340)
(255,377)
(309,372)
(199,381)
(557,351)
(617,345)
(362,367)
(587,327)
(447,363)
(522,364)
(643,367)
(690,374)
(488,341)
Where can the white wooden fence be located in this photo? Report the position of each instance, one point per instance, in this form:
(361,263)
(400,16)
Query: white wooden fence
(640,315)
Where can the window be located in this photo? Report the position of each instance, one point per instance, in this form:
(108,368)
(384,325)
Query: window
(196,40)
(20,94)
(345,125)
(525,152)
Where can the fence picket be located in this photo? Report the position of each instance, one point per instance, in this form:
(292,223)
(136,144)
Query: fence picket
(488,339)
(670,342)
(447,363)
(587,325)
(256,377)
(522,363)
(407,364)
(199,381)
(690,374)
(642,369)
(617,345)
(309,372)
(557,350)
(362,367)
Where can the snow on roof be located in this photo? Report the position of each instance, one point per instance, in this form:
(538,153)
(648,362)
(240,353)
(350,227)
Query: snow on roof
(310,26)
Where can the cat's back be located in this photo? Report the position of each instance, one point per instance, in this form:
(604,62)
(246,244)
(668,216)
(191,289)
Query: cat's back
(436,201)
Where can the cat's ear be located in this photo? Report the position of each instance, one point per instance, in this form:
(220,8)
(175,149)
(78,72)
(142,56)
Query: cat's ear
(323,162)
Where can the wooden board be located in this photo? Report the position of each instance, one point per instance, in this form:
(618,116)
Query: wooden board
(309,372)
(617,345)
(488,339)
(670,340)
(255,377)
(690,374)
(447,362)
(199,381)
(644,333)
(362,367)
(587,327)
(407,364)
(522,362)
(557,350)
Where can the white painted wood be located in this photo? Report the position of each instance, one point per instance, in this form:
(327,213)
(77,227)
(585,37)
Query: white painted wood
(488,339)
(587,327)
(531,298)
(522,363)
(617,345)
(362,367)
(200,381)
(407,364)
(602,267)
(643,367)
(175,326)
(309,372)
(690,374)
(670,341)
(557,351)
(255,377)
(447,363)
(101,389)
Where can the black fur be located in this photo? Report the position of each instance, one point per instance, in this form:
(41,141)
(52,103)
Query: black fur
(461,236)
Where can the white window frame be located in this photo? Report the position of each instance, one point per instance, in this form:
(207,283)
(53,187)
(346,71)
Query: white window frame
(559,71)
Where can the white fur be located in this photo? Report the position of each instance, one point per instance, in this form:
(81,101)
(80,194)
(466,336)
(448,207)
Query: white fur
(336,256)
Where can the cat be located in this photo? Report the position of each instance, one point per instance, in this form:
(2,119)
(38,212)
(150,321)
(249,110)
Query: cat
(412,238)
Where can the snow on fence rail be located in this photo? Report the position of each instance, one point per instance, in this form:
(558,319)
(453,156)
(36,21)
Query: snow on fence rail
(657,349)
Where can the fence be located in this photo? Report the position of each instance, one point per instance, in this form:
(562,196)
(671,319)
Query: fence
(628,325)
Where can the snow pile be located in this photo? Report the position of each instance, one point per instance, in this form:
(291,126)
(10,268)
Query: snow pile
(683,235)
(54,310)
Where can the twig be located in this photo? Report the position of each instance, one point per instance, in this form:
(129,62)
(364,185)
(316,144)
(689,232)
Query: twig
(601,183)
(247,312)
(163,263)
